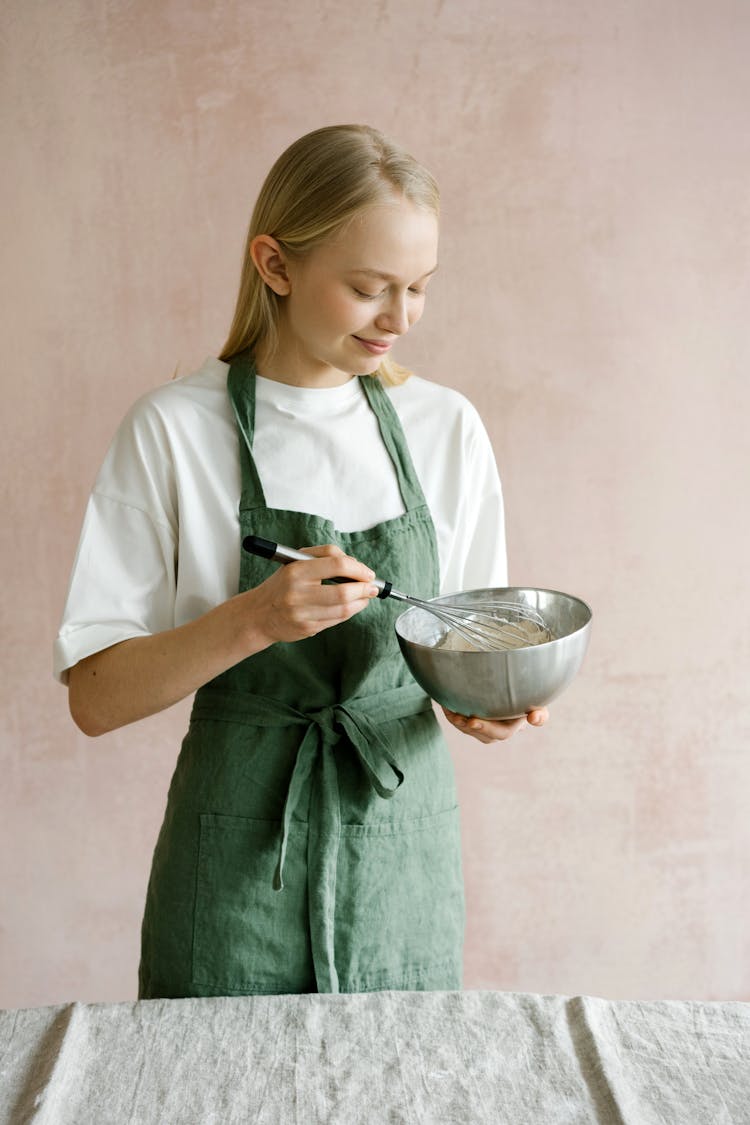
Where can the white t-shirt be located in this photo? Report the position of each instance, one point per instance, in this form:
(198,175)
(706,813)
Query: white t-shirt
(160,542)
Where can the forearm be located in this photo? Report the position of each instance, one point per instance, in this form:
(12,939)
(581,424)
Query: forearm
(144,675)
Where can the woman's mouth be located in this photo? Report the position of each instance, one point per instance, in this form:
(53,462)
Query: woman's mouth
(375,347)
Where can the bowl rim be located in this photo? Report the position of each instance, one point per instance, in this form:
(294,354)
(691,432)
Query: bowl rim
(495,590)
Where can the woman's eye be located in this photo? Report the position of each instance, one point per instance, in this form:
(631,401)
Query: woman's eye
(366,296)
(373,296)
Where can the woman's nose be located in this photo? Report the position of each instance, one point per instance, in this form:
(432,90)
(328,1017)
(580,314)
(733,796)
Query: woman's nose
(394,317)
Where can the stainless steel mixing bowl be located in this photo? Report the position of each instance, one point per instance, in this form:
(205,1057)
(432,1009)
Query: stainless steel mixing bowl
(497,685)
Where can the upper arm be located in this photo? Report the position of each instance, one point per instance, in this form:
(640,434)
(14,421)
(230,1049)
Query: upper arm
(124,575)
(123,582)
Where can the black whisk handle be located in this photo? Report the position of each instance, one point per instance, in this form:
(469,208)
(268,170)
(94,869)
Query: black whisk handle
(264,548)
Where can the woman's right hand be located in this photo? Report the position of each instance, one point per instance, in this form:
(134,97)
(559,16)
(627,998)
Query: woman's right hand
(143,675)
(292,604)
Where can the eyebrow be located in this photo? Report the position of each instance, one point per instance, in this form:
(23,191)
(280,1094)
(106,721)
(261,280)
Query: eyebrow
(388,276)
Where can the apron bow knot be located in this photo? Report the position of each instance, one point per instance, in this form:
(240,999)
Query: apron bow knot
(324,729)
(325,721)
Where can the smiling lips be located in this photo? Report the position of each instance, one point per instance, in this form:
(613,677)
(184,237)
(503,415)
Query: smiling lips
(376,347)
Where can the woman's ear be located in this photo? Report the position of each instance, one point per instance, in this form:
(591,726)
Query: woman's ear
(269,261)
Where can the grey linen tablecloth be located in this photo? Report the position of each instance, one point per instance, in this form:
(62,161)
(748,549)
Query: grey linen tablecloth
(427,1057)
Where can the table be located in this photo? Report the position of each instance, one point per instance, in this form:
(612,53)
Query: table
(411,1057)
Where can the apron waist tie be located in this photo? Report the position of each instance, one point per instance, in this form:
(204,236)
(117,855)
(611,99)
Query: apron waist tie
(357,719)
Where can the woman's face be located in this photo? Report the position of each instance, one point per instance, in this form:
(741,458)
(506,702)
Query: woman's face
(351,298)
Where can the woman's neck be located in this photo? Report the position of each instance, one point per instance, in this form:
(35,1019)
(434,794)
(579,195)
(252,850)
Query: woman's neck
(288,365)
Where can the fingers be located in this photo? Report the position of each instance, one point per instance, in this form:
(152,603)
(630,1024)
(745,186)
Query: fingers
(322,549)
(485,730)
(494,730)
(331,562)
(326,605)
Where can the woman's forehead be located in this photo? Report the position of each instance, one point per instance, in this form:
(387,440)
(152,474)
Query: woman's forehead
(386,238)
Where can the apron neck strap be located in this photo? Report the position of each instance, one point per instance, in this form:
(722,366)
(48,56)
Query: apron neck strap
(241,387)
(394,439)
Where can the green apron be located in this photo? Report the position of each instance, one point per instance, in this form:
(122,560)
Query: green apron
(311,837)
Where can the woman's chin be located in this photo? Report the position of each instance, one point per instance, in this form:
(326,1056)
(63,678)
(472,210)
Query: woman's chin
(369,365)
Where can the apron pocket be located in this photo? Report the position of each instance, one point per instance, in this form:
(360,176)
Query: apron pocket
(249,938)
(400,904)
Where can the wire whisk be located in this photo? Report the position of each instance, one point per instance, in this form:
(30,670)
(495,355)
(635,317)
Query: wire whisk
(490,626)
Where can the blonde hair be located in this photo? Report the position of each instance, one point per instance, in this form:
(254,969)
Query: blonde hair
(316,186)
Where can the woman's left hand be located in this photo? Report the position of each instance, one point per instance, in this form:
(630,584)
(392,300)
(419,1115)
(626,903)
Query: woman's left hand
(495,730)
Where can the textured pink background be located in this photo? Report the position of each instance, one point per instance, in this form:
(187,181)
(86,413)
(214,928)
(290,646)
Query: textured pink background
(592,301)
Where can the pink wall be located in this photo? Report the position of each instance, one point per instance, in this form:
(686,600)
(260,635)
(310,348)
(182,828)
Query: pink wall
(593,302)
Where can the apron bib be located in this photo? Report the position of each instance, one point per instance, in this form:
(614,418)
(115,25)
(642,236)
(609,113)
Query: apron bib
(311,837)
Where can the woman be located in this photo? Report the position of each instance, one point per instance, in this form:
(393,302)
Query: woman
(310,841)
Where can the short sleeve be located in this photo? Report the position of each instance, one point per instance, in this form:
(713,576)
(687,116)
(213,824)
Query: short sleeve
(477,554)
(123,580)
